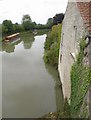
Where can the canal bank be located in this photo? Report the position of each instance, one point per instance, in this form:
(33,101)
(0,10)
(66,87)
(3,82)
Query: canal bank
(51,56)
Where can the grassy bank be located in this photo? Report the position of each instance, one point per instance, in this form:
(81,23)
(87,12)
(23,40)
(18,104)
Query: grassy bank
(52,45)
(80,81)
(51,56)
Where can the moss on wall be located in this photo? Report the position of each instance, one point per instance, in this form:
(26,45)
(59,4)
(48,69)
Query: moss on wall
(80,81)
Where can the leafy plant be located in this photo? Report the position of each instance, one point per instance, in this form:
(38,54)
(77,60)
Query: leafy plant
(80,80)
(52,45)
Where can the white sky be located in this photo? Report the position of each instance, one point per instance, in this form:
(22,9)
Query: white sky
(39,10)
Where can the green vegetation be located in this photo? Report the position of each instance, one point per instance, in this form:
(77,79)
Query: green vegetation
(27,24)
(42,31)
(9,28)
(52,45)
(80,81)
(58,18)
(49,22)
(80,74)
(0,32)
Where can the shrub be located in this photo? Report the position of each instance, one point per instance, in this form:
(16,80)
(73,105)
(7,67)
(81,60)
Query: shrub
(52,45)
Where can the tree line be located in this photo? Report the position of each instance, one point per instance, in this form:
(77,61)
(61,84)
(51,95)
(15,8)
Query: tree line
(27,24)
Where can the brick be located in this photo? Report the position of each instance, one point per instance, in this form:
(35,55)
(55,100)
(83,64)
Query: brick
(85,11)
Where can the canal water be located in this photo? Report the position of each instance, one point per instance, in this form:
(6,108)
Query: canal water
(29,86)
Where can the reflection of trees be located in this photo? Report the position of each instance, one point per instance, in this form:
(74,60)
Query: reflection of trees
(0,46)
(42,31)
(9,46)
(58,88)
(27,40)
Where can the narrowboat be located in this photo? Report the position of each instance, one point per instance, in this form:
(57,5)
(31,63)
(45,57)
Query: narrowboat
(12,37)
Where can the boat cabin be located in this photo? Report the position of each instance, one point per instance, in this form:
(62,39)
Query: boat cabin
(12,37)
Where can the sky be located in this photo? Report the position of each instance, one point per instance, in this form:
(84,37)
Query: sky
(39,10)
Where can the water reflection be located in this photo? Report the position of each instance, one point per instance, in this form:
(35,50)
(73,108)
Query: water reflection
(0,46)
(9,47)
(29,86)
(27,40)
(58,87)
(0,83)
(28,89)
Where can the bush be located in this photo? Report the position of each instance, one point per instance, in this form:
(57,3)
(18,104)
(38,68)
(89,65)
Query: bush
(52,45)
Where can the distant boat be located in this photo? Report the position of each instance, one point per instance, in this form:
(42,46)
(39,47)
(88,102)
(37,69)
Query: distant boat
(12,37)
(35,32)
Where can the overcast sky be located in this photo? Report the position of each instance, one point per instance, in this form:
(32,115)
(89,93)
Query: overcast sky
(39,10)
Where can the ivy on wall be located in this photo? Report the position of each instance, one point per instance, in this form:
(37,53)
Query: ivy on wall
(80,81)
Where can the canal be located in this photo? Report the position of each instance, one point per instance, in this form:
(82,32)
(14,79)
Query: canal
(30,88)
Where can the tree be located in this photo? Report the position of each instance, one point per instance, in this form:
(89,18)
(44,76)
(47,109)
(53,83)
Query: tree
(7,27)
(58,18)
(18,28)
(15,27)
(49,22)
(26,18)
(0,30)
(27,22)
